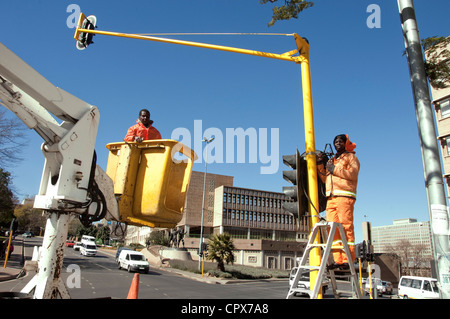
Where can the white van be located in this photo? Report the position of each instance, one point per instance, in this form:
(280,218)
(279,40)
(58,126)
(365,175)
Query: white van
(133,261)
(418,288)
(86,238)
(88,248)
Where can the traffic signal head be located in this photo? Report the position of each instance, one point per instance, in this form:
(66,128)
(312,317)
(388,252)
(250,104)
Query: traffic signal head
(85,38)
(360,250)
(297,176)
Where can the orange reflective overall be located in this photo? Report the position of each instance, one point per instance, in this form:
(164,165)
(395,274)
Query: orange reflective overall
(341,193)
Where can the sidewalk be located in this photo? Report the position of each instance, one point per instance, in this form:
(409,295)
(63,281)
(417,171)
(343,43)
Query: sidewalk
(16,261)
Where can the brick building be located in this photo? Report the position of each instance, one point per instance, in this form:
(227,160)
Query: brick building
(263,234)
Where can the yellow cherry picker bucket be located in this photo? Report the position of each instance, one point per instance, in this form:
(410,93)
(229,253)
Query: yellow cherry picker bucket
(151,180)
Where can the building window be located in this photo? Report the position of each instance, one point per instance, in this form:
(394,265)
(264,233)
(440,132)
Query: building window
(252,259)
(445,108)
(447,145)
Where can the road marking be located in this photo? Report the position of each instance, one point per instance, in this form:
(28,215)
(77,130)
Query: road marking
(102,266)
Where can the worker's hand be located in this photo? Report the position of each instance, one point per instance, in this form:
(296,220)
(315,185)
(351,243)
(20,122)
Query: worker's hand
(320,157)
(138,139)
(330,167)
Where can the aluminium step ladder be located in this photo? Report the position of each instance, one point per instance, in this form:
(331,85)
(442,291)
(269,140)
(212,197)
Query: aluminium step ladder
(327,231)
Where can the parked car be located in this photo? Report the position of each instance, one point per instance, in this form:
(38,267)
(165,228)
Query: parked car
(304,281)
(386,288)
(70,243)
(133,261)
(77,245)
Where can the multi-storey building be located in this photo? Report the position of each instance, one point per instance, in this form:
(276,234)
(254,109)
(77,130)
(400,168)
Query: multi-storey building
(441,102)
(263,233)
(385,238)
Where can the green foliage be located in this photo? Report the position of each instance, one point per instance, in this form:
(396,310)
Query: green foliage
(289,10)
(103,234)
(29,218)
(83,230)
(7,198)
(221,250)
(157,238)
(437,64)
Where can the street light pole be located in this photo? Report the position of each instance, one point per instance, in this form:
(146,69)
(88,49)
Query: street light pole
(438,209)
(200,248)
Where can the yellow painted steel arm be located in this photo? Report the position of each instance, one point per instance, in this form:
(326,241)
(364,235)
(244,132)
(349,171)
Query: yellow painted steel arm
(288,56)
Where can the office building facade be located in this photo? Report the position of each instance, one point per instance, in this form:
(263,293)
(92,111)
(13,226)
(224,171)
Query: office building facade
(441,101)
(264,234)
(386,239)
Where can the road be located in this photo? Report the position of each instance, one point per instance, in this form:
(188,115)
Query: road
(99,277)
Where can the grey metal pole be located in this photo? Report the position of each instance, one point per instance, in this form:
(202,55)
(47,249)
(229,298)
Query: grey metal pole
(200,248)
(438,210)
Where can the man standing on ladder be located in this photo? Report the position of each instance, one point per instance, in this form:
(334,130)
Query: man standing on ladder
(341,178)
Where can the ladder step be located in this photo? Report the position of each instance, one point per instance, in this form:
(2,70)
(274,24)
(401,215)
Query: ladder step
(310,267)
(301,290)
(324,245)
(326,256)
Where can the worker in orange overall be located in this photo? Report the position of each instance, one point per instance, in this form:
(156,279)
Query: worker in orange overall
(143,129)
(340,176)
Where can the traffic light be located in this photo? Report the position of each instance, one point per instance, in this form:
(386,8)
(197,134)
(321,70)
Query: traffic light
(297,177)
(299,192)
(85,38)
(369,253)
(360,250)
(203,251)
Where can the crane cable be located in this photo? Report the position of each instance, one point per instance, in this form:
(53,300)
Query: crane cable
(214,33)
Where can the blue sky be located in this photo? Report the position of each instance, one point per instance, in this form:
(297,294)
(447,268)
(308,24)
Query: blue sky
(360,84)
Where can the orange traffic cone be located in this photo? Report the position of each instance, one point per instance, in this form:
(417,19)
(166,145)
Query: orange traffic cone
(134,289)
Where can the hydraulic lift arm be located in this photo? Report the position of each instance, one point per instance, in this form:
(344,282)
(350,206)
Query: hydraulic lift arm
(71,180)
(72,183)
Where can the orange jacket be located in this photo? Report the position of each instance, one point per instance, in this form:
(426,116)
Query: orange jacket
(344,180)
(139,130)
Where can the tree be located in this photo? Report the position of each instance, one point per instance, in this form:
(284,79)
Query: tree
(7,198)
(29,218)
(410,257)
(437,64)
(157,238)
(103,233)
(289,10)
(221,250)
(12,140)
(83,230)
